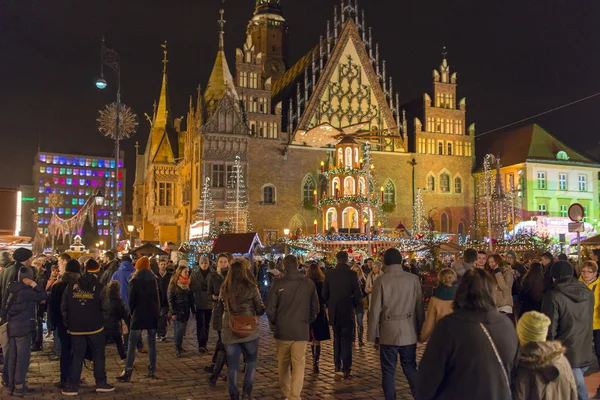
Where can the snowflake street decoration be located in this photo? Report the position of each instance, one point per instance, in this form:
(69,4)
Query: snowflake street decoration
(128,121)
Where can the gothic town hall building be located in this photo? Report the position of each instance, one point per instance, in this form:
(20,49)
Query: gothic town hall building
(256,111)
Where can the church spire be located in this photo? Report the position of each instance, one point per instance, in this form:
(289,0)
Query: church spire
(160,147)
(221,80)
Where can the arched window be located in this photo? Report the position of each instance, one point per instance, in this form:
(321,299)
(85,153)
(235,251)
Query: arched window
(449,148)
(389,192)
(362,189)
(457,185)
(356,156)
(461,229)
(335,181)
(331,220)
(308,188)
(349,186)
(431,183)
(348,160)
(444,223)
(445,182)
(340,157)
(350,218)
(440,148)
(269,194)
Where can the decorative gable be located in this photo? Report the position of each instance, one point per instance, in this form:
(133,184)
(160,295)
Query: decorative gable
(226,118)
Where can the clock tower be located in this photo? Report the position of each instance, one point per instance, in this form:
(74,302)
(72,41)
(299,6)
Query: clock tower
(268,30)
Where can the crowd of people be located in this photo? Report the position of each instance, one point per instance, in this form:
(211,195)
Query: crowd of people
(494,328)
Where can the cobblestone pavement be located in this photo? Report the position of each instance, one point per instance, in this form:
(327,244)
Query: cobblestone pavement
(185,379)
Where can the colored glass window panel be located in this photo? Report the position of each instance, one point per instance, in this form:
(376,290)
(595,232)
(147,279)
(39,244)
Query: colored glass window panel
(48,170)
(55,160)
(40,210)
(42,157)
(120,175)
(42,170)
(55,170)
(62,160)
(74,211)
(81,202)
(82,162)
(55,180)
(61,210)
(100,232)
(101,163)
(82,182)
(94,162)
(62,181)
(69,181)
(68,211)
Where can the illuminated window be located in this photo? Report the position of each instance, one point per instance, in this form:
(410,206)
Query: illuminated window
(562,181)
(100,232)
(445,182)
(43,157)
(564,210)
(82,182)
(583,183)
(73,211)
(48,170)
(81,202)
(42,170)
(431,183)
(106,232)
(94,162)
(69,181)
(165,194)
(55,160)
(67,211)
(541,178)
(101,163)
(61,210)
(457,185)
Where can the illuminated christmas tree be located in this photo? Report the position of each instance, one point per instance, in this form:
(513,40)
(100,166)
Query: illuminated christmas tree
(206,211)
(236,201)
(420,223)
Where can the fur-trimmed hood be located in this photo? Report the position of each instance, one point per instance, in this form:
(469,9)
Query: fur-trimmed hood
(542,356)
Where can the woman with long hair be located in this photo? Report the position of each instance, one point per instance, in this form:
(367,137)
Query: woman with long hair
(113,326)
(503,274)
(532,292)
(215,281)
(181,303)
(360,310)
(475,343)
(241,299)
(319,329)
(440,303)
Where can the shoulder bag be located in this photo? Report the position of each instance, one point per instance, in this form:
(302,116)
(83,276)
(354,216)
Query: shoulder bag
(487,334)
(242,326)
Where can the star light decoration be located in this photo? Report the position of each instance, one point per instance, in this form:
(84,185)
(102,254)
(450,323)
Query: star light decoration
(326,134)
(128,121)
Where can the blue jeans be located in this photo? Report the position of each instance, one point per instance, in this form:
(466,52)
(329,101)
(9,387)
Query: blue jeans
(134,337)
(582,393)
(388,356)
(233,365)
(19,352)
(179,330)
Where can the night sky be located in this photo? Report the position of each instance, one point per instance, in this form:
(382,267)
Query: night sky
(513,58)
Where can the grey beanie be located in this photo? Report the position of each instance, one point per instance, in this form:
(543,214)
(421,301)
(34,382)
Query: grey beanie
(25,272)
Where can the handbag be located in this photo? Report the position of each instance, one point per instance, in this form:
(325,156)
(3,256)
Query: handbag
(483,328)
(242,326)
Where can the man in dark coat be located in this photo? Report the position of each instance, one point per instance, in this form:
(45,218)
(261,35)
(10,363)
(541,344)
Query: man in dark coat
(71,274)
(204,302)
(292,306)
(547,262)
(342,295)
(83,306)
(111,266)
(144,307)
(570,306)
(22,257)
(164,277)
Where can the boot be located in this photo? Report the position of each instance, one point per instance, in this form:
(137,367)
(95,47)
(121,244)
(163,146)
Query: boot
(360,336)
(221,360)
(316,356)
(179,351)
(125,376)
(151,373)
(246,396)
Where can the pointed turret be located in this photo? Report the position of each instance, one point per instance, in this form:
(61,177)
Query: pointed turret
(221,80)
(268,31)
(159,143)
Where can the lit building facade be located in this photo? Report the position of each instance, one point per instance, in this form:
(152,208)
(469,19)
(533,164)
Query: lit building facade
(63,183)
(258,112)
(543,175)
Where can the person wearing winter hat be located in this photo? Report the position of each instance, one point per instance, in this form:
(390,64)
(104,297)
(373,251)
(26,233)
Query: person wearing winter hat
(144,307)
(83,307)
(72,274)
(543,370)
(25,294)
(123,275)
(570,306)
(22,257)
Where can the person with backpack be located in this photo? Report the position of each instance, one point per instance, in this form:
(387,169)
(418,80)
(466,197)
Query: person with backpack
(24,295)
(83,306)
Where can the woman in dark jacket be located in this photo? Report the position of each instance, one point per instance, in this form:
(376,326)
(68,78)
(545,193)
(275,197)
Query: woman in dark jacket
(181,302)
(240,297)
(215,281)
(473,344)
(319,329)
(23,297)
(360,310)
(533,289)
(113,326)
(144,306)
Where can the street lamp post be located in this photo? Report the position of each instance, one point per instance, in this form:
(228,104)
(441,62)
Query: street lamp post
(130,229)
(117,122)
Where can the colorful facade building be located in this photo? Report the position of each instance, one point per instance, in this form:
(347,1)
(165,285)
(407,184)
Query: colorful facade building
(543,176)
(63,183)
(258,113)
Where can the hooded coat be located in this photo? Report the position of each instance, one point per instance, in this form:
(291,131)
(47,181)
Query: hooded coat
(544,373)
(83,306)
(144,300)
(570,307)
(21,313)
(123,275)
(109,271)
(56,294)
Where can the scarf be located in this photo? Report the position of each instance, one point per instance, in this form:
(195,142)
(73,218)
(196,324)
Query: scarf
(445,292)
(184,282)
